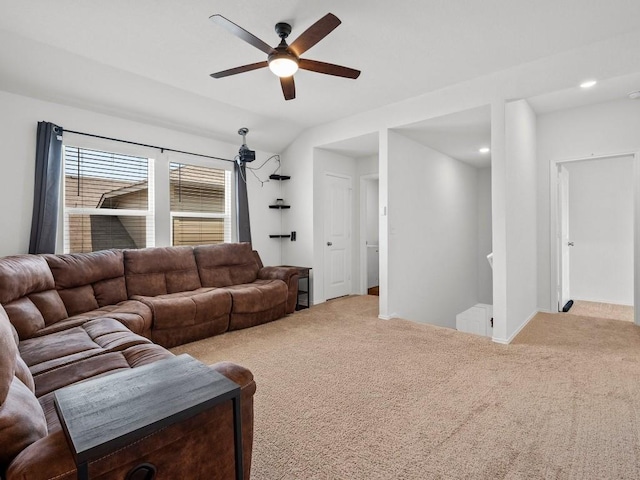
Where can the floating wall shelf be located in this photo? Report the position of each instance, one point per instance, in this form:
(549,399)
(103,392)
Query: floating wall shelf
(275,176)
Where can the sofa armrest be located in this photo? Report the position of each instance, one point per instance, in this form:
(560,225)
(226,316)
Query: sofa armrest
(289,276)
(244,378)
(240,375)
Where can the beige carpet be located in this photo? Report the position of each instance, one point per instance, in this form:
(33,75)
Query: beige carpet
(343,395)
(602,310)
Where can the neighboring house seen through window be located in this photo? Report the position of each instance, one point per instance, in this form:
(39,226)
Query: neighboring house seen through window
(107,200)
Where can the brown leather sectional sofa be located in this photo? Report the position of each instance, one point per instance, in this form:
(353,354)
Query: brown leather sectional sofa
(69,318)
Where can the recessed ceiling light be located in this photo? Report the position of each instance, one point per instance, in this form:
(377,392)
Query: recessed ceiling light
(588,84)
(484,150)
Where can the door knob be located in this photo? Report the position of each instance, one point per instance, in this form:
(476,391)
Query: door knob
(329,244)
(570,244)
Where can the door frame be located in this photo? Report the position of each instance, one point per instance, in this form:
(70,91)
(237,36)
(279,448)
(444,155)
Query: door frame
(324,233)
(563,224)
(362,244)
(554,227)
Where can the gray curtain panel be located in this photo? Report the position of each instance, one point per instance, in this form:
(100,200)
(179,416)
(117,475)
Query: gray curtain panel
(242,202)
(44,224)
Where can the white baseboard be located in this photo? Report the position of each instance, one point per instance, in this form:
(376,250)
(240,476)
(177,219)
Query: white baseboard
(388,317)
(507,341)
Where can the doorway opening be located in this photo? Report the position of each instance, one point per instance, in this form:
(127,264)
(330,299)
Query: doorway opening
(440,221)
(596,236)
(354,158)
(369,234)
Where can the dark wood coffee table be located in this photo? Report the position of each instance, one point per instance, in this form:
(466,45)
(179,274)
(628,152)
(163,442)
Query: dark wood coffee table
(107,413)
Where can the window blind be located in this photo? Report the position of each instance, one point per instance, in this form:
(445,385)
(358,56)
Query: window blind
(200,199)
(106,200)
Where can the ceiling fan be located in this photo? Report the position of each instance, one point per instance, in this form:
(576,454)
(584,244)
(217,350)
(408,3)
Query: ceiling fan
(284,60)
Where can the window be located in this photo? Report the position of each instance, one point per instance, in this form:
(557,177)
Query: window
(200,200)
(107,200)
(110,200)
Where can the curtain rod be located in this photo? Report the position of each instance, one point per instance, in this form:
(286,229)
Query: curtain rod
(162,149)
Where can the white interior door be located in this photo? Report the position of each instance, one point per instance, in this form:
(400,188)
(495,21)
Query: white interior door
(563,237)
(337,230)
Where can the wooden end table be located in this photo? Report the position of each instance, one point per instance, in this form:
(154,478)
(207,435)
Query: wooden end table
(107,413)
(304,291)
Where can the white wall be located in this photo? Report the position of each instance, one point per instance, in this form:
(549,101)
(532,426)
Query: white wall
(518,273)
(18,124)
(367,165)
(265,221)
(433,233)
(601,227)
(601,129)
(485,275)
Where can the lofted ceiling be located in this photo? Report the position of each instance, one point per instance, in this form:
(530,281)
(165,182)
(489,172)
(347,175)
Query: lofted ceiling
(459,135)
(151,59)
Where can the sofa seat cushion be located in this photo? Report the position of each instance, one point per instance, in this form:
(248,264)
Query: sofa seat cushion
(257,302)
(258,296)
(187,316)
(136,316)
(131,357)
(94,337)
(103,364)
(187,308)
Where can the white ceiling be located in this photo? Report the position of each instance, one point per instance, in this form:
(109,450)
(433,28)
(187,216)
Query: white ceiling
(605,90)
(459,135)
(151,59)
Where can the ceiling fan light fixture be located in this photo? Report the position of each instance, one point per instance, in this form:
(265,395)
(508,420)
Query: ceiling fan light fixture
(283,65)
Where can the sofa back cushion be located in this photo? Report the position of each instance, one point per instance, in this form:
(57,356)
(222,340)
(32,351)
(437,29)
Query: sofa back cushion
(87,281)
(10,359)
(8,353)
(161,270)
(22,419)
(226,264)
(27,292)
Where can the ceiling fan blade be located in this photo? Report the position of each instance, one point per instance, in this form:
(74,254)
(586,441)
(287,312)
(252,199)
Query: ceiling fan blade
(244,68)
(241,33)
(288,87)
(328,68)
(314,34)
